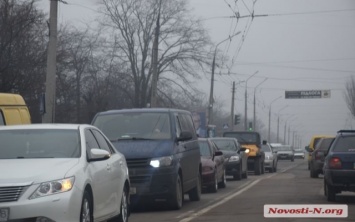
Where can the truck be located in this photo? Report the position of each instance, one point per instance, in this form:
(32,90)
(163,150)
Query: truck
(13,110)
(252,141)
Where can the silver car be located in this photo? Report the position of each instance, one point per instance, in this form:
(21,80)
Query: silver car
(271,159)
(61,172)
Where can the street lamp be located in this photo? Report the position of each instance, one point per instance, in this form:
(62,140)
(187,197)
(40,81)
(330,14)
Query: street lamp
(270,115)
(245,105)
(278,122)
(210,105)
(254,117)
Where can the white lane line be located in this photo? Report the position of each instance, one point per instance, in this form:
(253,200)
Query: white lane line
(203,211)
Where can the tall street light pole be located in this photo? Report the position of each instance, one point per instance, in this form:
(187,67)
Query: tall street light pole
(278,122)
(270,116)
(254,117)
(245,102)
(210,105)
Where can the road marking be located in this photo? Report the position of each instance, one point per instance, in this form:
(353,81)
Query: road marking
(205,210)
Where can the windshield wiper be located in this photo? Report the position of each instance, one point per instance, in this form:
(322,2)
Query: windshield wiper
(131,138)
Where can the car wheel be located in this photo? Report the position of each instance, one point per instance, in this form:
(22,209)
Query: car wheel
(329,191)
(257,166)
(238,175)
(177,197)
(313,173)
(124,210)
(262,168)
(214,187)
(245,174)
(195,193)
(223,183)
(86,208)
(275,167)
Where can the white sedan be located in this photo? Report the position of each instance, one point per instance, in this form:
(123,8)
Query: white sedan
(61,172)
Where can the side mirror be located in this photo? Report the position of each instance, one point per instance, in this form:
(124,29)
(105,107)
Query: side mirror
(185,135)
(218,153)
(99,154)
(264,142)
(308,149)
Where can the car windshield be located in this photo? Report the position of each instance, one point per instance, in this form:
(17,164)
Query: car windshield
(324,144)
(39,143)
(345,144)
(204,149)
(135,125)
(266,148)
(225,145)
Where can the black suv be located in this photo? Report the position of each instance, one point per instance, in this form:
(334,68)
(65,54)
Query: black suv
(161,149)
(339,165)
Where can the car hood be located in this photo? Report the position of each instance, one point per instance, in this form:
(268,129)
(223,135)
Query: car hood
(32,171)
(284,152)
(144,148)
(229,153)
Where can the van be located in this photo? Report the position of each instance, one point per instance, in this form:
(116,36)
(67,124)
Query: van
(310,148)
(13,110)
(162,153)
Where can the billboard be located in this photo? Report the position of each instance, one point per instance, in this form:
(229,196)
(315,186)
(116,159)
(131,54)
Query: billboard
(307,94)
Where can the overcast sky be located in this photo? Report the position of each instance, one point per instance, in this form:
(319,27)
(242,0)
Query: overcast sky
(295,44)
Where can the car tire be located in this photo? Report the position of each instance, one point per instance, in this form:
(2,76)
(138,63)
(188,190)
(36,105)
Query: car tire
(329,192)
(214,187)
(86,214)
(313,173)
(195,193)
(275,168)
(262,168)
(257,166)
(245,174)
(238,175)
(177,198)
(124,209)
(223,182)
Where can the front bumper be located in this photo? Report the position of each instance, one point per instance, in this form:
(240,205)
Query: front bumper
(285,156)
(233,168)
(268,163)
(63,207)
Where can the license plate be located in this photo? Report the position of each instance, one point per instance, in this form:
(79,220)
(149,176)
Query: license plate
(132,190)
(4,214)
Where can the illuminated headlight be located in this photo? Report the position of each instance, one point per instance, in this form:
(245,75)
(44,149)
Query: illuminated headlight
(162,161)
(234,159)
(268,157)
(53,187)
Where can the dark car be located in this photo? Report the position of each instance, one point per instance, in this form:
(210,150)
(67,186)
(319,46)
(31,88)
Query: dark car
(270,161)
(237,157)
(339,165)
(318,155)
(213,166)
(162,152)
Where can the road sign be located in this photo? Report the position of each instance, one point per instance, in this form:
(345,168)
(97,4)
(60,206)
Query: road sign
(307,94)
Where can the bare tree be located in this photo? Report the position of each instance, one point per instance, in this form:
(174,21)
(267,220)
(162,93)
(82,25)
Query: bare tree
(182,44)
(22,51)
(350,95)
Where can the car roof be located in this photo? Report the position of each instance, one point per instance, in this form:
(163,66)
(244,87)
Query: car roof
(44,126)
(147,110)
(223,138)
(346,132)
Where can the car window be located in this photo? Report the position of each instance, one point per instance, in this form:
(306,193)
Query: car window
(324,143)
(189,122)
(102,141)
(225,145)
(344,144)
(2,120)
(39,143)
(205,149)
(91,142)
(265,148)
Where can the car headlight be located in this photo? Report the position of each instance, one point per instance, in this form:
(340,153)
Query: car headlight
(234,158)
(53,187)
(161,161)
(268,157)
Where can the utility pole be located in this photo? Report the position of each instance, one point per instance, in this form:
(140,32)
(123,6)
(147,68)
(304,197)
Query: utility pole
(254,103)
(50,98)
(153,99)
(232,107)
(246,103)
(210,104)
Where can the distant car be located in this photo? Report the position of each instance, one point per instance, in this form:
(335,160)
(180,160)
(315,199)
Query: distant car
(236,155)
(312,144)
(285,152)
(213,166)
(270,162)
(318,155)
(299,154)
(339,165)
(61,172)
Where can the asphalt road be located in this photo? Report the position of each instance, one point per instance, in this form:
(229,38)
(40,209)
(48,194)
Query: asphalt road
(244,200)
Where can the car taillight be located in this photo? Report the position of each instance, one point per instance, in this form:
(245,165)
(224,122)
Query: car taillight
(335,163)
